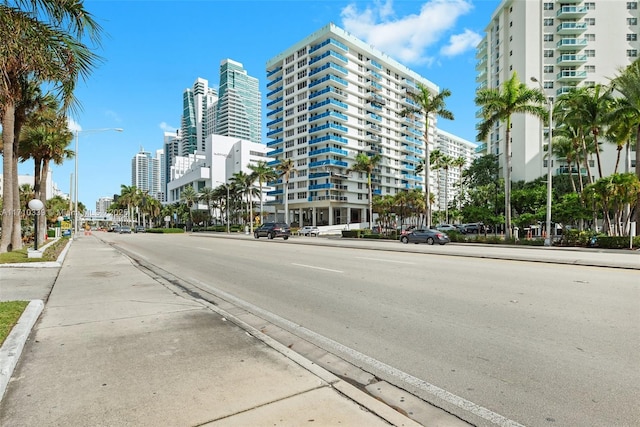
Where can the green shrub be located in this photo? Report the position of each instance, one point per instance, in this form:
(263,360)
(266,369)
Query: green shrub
(165,230)
(617,242)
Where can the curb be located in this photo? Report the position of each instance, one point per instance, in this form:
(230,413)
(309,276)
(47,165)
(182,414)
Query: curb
(12,347)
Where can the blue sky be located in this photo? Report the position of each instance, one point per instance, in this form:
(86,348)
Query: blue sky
(153,50)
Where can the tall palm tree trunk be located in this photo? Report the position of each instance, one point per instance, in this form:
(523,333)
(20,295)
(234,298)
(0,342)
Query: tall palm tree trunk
(10,186)
(507,182)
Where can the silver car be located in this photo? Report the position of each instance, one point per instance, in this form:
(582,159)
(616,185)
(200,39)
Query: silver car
(428,236)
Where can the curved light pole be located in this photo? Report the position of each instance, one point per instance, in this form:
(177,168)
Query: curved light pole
(75,211)
(547,239)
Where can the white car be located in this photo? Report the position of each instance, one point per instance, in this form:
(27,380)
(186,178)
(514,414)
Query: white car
(446,227)
(309,230)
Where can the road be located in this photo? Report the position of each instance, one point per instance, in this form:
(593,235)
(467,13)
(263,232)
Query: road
(539,344)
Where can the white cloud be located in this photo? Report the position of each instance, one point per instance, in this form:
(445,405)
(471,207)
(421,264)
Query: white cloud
(113,115)
(73,125)
(406,38)
(167,128)
(460,43)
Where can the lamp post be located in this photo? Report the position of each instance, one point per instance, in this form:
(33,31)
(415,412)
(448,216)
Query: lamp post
(547,239)
(36,206)
(75,210)
(226,205)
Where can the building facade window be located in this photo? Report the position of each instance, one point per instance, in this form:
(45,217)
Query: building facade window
(632,37)
(632,5)
(548,22)
(548,6)
(548,37)
(590,68)
(590,21)
(632,53)
(590,5)
(548,69)
(632,21)
(548,53)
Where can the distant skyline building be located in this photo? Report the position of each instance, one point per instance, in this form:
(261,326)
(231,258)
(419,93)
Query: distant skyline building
(198,110)
(448,181)
(239,107)
(103,204)
(563,45)
(145,173)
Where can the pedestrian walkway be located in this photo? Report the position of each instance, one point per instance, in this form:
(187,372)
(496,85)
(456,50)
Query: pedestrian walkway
(114,347)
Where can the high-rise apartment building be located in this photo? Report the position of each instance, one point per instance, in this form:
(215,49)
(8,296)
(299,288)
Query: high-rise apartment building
(448,179)
(562,44)
(145,173)
(198,105)
(103,204)
(239,111)
(332,96)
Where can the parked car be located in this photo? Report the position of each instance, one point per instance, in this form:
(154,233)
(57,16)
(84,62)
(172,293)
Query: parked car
(474,228)
(446,227)
(429,237)
(309,230)
(140,229)
(271,230)
(125,229)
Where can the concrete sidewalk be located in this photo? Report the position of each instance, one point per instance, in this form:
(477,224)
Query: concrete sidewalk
(114,347)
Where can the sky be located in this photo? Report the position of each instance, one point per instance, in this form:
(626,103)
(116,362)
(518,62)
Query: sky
(152,50)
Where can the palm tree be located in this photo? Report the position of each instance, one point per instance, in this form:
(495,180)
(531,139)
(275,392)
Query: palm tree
(263,173)
(285,169)
(243,183)
(459,162)
(207,195)
(43,39)
(45,139)
(429,105)
(498,106)
(129,197)
(189,197)
(367,164)
(627,83)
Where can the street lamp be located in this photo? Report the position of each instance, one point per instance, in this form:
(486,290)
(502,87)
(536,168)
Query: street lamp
(75,213)
(547,239)
(226,205)
(36,206)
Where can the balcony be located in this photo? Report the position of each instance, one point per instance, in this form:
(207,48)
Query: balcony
(331,126)
(275,142)
(274,102)
(571,76)
(374,64)
(326,68)
(481,148)
(564,90)
(274,92)
(273,112)
(328,138)
(571,28)
(274,192)
(378,99)
(374,138)
(273,163)
(331,150)
(374,75)
(274,82)
(274,122)
(374,127)
(327,54)
(274,152)
(327,91)
(274,72)
(571,44)
(571,12)
(328,162)
(569,60)
(375,86)
(375,117)
(329,77)
(328,102)
(274,132)
(332,114)
(326,44)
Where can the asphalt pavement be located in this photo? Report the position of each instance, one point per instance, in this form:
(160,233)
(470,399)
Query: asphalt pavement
(102,343)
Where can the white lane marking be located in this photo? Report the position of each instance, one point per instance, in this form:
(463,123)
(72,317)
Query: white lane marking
(456,400)
(204,249)
(317,268)
(385,260)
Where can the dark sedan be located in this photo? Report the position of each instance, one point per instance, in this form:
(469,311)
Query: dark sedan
(425,236)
